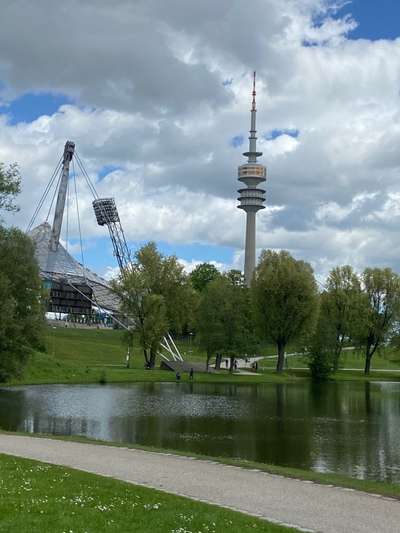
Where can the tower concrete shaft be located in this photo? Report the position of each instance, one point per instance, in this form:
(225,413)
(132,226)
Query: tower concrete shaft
(251,197)
(250,251)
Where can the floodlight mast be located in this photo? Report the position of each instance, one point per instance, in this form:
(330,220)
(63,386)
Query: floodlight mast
(106,214)
(62,194)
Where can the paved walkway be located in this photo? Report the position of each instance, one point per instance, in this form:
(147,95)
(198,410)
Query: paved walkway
(303,504)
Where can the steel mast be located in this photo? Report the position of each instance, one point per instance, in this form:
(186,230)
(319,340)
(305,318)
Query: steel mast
(62,194)
(107,215)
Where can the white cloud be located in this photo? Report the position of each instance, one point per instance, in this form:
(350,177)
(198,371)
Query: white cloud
(189,266)
(333,212)
(150,100)
(111,272)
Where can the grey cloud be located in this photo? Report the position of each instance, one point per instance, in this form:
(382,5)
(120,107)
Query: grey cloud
(113,55)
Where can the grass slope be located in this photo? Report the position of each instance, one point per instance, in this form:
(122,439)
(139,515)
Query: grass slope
(37,497)
(93,355)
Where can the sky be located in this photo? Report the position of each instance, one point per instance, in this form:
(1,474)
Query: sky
(156,96)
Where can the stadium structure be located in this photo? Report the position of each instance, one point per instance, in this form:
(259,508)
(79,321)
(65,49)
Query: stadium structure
(73,288)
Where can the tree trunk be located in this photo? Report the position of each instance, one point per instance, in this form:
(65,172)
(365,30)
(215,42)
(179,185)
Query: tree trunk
(232,363)
(208,360)
(152,361)
(146,358)
(281,357)
(338,353)
(368,357)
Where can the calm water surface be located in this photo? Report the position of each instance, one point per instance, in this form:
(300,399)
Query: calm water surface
(351,428)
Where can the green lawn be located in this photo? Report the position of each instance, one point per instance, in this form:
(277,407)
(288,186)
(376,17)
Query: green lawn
(96,355)
(103,347)
(39,498)
(386,359)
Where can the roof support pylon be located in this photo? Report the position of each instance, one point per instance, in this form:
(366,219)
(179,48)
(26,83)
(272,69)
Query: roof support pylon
(62,194)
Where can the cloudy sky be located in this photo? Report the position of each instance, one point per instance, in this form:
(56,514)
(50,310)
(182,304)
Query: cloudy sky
(156,96)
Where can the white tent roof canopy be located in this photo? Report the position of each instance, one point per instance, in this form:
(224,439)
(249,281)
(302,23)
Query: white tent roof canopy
(60,265)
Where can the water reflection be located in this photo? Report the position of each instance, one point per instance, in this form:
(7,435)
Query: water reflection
(351,428)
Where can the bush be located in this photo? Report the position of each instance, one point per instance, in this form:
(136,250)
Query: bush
(320,363)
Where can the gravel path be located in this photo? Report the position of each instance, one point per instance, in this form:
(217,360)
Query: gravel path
(303,504)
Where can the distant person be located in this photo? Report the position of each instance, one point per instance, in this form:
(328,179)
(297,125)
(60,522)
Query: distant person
(235,365)
(226,363)
(178,377)
(191,374)
(255,366)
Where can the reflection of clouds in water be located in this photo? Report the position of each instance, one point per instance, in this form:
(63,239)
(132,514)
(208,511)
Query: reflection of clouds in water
(98,402)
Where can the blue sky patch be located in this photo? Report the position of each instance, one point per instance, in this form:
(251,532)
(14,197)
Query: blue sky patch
(107,169)
(30,106)
(273,134)
(237,141)
(377,19)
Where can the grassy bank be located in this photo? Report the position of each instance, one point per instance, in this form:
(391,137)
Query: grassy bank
(93,356)
(37,497)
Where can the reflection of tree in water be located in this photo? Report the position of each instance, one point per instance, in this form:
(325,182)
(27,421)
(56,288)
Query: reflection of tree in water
(357,433)
(12,409)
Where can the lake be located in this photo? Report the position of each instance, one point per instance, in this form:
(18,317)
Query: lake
(351,427)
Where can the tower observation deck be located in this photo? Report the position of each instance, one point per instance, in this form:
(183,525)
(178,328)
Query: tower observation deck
(251,198)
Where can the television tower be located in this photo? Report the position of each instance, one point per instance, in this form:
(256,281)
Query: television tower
(251,198)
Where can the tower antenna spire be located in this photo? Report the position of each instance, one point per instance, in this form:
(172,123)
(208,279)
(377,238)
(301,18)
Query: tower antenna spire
(253,108)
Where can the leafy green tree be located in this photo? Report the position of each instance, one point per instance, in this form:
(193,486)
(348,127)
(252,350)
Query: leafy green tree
(10,186)
(156,296)
(236,277)
(224,320)
(202,275)
(381,311)
(286,299)
(322,345)
(21,302)
(340,309)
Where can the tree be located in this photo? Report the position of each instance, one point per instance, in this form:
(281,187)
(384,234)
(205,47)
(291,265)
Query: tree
(10,186)
(224,320)
(21,302)
(202,275)
(236,277)
(322,346)
(286,299)
(340,308)
(381,287)
(156,296)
